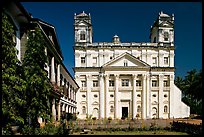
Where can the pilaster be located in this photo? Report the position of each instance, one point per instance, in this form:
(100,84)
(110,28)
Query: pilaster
(107,91)
(144,97)
(134,102)
(88,99)
(116,95)
(101,95)
(171,96)
(148,96)
(161,108)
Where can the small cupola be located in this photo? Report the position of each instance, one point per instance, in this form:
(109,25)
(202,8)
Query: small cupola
(116,39)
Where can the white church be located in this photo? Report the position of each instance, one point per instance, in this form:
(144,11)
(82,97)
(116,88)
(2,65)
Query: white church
(134,80)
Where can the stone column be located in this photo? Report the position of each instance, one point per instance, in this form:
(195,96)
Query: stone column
(101,96)
(53,70)
(134,96)
(171,96)
(58,75)
(116,95)
(161,108)
(59,114)
(63,107)
(53,109)
(144,97)
(148,97)
(107,101)
(66,108)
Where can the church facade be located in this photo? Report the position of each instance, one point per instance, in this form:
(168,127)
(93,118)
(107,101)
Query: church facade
(134,80)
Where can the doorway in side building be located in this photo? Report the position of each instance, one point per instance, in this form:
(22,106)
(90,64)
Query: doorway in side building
(124,112)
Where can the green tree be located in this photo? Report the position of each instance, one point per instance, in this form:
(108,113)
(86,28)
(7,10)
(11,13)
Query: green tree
(38,86)
(191,87)
(13,86)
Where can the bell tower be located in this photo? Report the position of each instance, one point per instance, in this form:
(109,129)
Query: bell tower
(162,31)
(83,29)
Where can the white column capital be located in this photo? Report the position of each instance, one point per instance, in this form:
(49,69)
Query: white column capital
(161,76)
(88,76)
(116,76)
(101,75)
(77,76)
(172,77)
(106,76)
(148,76)
(144,76)
(134,76)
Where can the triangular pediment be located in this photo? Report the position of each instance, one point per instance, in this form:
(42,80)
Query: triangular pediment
(126,60)
(95,103)
(166,24)
(82,23)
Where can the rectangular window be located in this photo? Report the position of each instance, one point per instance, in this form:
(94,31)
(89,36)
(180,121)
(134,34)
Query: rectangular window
(83,60)
(94,61)
(154,60)
(111,83)
(154,83)
(166,36)
(83,83)
(125,63)
(166,83)
(95,83)
(138,83)
(125,82)
(166,60)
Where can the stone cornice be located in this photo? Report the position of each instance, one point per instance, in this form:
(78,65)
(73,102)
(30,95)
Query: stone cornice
(123,47)
(163,69)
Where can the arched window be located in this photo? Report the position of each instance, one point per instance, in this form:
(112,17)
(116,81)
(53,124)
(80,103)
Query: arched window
(82,35)
(166,36)
(154,40)
(154,112)
(139,108)
(111,109)
(95,112)
(83,110)
(165,109)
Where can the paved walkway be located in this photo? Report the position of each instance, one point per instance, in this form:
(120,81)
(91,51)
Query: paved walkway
(162,123)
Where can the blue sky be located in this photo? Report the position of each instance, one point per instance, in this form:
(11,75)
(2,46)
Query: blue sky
(131,21)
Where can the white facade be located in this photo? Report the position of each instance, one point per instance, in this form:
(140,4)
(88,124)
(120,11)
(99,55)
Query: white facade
(133,80)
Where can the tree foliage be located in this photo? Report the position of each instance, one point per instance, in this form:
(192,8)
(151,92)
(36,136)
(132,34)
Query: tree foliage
(13,86)
(38,87)
(191,87)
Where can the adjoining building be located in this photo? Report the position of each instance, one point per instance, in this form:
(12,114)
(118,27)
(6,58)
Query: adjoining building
(132,79)
(65,88)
